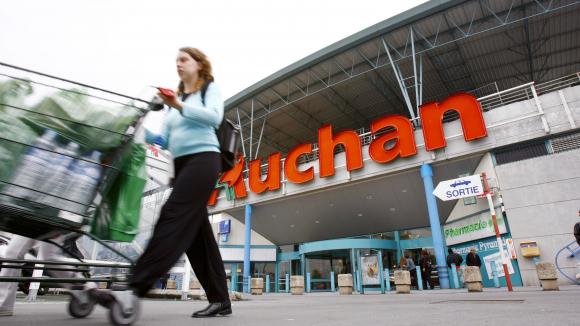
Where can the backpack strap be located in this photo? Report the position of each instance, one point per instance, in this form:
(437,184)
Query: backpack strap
(204,89)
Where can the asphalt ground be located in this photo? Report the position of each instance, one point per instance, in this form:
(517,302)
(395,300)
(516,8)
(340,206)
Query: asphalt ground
(524,306)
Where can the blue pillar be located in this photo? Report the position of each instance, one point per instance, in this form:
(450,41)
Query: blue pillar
(398,241)
(381,271)
(427,175)
(267,283)
(388,279)
(332,288)
(287,283)
(247,243)
(455,277)
(308,282)
(277,277)
(419,278)
(359,272)
(234,281)
(353,271)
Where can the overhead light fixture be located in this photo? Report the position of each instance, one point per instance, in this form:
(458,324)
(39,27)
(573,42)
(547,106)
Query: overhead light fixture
(404,190)
(297,212)
(317,221)
(291,225)
(274,215)
(360,214)
(331,204)
(369,197)
(392,209)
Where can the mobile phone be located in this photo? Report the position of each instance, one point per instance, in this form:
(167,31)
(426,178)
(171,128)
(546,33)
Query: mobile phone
(166,92)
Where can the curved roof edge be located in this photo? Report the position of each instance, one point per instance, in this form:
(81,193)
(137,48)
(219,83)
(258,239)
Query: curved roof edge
(414,14)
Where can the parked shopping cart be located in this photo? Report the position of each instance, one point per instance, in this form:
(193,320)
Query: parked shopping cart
(62,151)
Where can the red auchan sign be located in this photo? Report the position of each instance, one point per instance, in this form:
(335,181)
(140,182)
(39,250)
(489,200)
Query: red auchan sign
(431,114)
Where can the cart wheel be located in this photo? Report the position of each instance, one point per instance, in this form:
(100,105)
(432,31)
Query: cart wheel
(119,317)
(80,310)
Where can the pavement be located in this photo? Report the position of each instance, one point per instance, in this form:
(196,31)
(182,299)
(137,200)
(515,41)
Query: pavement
(524,306)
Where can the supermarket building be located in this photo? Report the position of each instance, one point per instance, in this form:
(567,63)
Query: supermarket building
(343,148)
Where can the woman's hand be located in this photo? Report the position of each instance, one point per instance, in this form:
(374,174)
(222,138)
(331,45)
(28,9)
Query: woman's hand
(171,101)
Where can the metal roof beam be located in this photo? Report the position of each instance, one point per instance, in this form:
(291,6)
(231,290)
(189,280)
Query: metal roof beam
(384,85)
(303,121)
(436,45)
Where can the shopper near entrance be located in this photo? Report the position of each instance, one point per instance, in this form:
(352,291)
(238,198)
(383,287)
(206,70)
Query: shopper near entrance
(403,263)
(183,226)
(473,259)
(453,258)
(410,266)
(426,268)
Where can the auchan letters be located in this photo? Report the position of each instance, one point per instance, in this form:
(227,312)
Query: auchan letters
(431,114)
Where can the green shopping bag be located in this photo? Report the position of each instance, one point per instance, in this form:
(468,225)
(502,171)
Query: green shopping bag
(117,218)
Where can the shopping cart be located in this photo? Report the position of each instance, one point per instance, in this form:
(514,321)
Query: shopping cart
(49,188)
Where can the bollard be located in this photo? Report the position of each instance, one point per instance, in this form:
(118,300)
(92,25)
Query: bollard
(403,281)
(454,275)
(257,286)
(171,284)
(268,283)
(548,276)
(332,288)
(419,278)
(494,273)
(287,284)
(345,283)
(387,279)
(297,284)
(308,279)
(472,277)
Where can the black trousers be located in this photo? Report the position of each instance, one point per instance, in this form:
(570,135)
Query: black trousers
(426,276)
(183,226)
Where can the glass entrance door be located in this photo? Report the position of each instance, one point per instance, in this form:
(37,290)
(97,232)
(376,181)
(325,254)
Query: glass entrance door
(321,264)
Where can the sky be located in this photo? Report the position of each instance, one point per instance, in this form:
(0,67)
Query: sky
(126,46)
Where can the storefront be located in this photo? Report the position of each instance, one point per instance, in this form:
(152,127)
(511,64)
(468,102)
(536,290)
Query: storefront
(476,232)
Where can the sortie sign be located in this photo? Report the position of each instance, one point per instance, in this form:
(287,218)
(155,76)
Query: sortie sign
(403,136)
(459,188)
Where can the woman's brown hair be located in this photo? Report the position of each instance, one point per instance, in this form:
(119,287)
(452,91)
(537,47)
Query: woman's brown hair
(205,71)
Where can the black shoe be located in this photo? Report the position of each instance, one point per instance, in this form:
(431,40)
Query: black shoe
(216,308)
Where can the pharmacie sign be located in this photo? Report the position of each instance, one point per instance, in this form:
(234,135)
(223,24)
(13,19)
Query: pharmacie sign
(472,228)
(402,136)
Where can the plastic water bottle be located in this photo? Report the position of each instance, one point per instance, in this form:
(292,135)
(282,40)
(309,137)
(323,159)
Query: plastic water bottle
(85,177)
(32,168)
(57,184)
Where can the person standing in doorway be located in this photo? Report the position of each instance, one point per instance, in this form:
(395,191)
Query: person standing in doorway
(189,132)
(410,265)
(426,268)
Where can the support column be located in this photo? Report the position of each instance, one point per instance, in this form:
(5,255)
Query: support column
(353,265)
(277,277)
(247,243)
(234,281)
(399,251)
(427,175)
(381,271)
